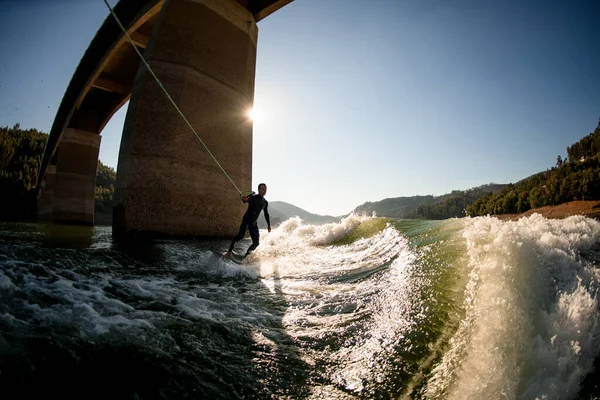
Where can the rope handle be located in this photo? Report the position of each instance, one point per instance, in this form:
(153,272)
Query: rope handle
(247,193)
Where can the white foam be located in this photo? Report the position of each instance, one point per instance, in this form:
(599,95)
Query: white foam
(295,232)
(64,299)
(382,308)
(295,248)
(530,329)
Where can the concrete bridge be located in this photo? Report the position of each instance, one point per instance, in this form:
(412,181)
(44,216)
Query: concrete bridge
(204,53)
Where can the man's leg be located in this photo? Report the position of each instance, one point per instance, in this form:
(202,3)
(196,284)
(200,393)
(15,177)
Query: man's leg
(238,237)
(255,238)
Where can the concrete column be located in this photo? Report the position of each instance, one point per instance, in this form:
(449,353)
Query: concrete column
(75,178)
(204,52)
(45,199)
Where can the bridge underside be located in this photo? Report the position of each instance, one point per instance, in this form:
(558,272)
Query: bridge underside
(167,182)
(204,53)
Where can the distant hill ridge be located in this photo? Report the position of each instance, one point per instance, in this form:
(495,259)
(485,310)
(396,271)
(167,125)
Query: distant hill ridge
(395,207)
(449,205)
(430,207)
(280,211)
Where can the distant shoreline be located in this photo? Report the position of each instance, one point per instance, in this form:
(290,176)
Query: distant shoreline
(587,208)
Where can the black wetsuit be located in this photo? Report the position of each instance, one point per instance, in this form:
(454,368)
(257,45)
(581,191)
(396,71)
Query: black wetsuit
(256,204)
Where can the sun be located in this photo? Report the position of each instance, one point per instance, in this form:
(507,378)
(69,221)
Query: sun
(254,114)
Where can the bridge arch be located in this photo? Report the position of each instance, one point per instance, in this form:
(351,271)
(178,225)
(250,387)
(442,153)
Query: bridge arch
(205,51)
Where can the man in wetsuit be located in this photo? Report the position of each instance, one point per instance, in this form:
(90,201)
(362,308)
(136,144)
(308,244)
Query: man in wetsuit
(256,204)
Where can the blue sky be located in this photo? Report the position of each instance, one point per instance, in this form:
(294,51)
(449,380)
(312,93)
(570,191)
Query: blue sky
(364,100)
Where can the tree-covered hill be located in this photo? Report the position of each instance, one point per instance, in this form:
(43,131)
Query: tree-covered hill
(454,204)
(21,152)
(449,205)
(20,158)
(396,207)
(106,178)
(283,211)
(577,178)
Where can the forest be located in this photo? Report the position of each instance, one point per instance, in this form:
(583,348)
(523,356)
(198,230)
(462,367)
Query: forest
(450,205)
(576,178)
(21,152)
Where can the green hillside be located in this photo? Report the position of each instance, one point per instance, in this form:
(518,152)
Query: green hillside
(21,153)
(449,205)
(577,178)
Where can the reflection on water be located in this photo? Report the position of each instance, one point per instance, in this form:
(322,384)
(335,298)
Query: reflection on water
(51,234)
(68,236)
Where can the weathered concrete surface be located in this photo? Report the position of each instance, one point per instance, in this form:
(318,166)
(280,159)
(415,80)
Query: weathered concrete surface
(75,178)
(45,199)
(204,52)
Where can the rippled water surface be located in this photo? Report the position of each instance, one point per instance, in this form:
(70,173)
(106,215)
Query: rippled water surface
(366,308)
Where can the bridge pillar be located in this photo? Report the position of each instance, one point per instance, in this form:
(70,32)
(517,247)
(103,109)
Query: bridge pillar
(45,198)
(68,192)
(204,53)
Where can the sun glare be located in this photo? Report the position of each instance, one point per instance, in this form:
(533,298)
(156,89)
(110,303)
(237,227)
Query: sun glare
(254,114)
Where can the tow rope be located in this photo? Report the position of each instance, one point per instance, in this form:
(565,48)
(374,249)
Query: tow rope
(170,99)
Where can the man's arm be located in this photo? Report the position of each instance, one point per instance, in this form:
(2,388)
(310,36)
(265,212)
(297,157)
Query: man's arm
(267,218)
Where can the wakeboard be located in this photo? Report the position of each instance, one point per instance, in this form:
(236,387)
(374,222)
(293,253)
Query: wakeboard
(236,258)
